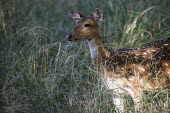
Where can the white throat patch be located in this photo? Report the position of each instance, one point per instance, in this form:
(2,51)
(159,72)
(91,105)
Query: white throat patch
(93,48)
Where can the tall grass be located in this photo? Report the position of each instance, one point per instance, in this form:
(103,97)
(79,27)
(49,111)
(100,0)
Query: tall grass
(40,72)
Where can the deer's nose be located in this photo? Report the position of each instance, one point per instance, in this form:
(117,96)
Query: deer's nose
(68,36)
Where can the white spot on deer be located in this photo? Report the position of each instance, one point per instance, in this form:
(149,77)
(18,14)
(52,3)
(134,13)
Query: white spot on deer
(150,87)
(132,78)
(149,52)
(147,65)
(143,56)
(145,53)
(135,57)
(153,50)
(140,68)
(156,87)
(123,68)
(137,54)
(165,44)
(141,81)
(166,64)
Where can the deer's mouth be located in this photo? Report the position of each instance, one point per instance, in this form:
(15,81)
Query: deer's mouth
(70,37)
(72,40)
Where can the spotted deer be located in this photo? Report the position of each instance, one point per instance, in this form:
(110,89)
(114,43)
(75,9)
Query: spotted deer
(124,70)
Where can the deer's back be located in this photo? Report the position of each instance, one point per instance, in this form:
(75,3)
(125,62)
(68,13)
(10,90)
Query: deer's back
(147,67)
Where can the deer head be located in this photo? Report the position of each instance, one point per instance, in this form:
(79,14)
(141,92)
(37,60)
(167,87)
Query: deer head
(86,27)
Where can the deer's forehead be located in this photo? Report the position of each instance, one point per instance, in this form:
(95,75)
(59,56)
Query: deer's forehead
(86,20)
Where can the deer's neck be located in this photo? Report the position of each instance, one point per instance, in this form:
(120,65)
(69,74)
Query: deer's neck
(98,50)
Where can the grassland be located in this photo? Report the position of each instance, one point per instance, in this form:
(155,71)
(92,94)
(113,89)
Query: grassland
(41,73)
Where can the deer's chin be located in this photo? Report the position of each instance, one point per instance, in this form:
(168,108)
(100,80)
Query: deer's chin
(75,40)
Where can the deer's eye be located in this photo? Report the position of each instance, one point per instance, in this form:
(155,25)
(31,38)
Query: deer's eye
(87,25)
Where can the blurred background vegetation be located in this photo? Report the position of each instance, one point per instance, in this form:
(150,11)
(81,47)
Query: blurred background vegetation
(39,72)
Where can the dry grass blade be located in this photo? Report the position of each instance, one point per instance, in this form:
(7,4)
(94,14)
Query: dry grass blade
(132,26)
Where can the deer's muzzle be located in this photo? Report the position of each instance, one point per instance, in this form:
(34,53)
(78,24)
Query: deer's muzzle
(69,37)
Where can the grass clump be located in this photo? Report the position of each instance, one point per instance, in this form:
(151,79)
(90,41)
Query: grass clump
(39,72)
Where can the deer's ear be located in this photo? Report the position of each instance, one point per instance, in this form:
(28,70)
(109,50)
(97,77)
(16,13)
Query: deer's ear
(75,16)
(97,15)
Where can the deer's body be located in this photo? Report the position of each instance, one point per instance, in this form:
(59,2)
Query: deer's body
(125,70)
